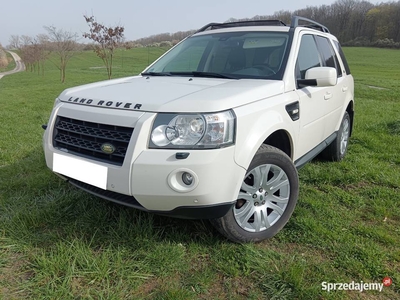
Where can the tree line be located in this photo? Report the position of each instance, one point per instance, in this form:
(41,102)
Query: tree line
(353,22)
(59,46)
(35,51)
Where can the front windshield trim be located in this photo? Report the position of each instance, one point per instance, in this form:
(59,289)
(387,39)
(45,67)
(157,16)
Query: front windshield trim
(207,55)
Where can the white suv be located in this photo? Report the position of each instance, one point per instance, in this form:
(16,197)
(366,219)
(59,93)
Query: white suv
(215,129)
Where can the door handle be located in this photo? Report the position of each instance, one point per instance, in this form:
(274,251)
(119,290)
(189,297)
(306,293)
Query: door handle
(328,96)
(344,89)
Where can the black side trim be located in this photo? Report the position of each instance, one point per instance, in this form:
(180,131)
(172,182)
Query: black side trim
(198,212)
(306,82)
(293,109)
(108,195)
(182,212)
(314,152)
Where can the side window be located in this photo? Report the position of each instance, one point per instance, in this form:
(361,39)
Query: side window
(308,56)
(346,65)
(329,56)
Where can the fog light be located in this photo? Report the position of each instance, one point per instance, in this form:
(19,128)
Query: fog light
(183,180)
(187,178)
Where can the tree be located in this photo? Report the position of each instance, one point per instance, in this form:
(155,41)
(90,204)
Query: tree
(106,39)
(64,45)
(282,15)
(14,42)
(3,58)
(42,52)
(25,44)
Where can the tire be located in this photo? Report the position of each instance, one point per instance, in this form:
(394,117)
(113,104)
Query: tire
(262,207)
(338,148)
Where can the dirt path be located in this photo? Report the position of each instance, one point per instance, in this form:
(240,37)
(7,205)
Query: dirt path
(20,66)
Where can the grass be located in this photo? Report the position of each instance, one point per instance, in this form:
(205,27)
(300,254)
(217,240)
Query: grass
(57,242)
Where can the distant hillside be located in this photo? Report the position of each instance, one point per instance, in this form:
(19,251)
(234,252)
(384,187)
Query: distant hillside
(163,39)
(354,22)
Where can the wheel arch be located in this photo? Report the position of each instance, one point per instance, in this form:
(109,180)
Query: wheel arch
(281,139)
(278,137)
(261,127)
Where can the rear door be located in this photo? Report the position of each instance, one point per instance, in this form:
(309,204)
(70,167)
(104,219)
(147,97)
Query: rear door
(312,99)
(334,101)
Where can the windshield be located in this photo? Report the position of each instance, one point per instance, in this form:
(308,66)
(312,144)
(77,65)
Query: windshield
(232,55)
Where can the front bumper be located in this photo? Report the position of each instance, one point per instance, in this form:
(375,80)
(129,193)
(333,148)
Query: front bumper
(150,179)
(184,212)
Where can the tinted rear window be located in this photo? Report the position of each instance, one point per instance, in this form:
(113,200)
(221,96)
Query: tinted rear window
(346,65)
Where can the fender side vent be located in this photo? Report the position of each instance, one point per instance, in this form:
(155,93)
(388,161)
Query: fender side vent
(293,109)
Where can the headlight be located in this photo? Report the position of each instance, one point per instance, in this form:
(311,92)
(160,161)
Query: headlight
(193,130)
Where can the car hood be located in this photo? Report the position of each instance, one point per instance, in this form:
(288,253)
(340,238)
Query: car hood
(172,94)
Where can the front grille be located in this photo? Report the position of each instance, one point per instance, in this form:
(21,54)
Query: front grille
(87,139)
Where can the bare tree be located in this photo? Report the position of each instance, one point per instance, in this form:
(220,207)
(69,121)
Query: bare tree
(357,24)
(25,40)
(14,42)
(24,44)
(106,39)
(42,44)
(64,45)
(283,15)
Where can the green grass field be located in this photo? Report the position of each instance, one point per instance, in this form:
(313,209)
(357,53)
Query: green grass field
(57,242)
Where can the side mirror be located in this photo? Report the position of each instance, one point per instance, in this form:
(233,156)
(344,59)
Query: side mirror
(319,76)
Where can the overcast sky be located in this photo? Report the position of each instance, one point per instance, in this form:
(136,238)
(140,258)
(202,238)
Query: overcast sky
(140,18)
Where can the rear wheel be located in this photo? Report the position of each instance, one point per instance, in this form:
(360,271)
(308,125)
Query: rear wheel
(338,148)
(266,200)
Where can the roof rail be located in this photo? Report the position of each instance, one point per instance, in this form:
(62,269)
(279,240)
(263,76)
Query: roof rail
(312,24)
(213,26)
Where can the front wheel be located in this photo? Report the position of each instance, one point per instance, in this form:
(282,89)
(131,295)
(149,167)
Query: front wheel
(266,200)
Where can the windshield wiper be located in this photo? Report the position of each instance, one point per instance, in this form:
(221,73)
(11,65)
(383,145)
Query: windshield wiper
(203,74)
(213,75)
(193,73)
(156,74)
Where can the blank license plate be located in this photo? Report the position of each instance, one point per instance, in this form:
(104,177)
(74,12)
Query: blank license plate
(81,170)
